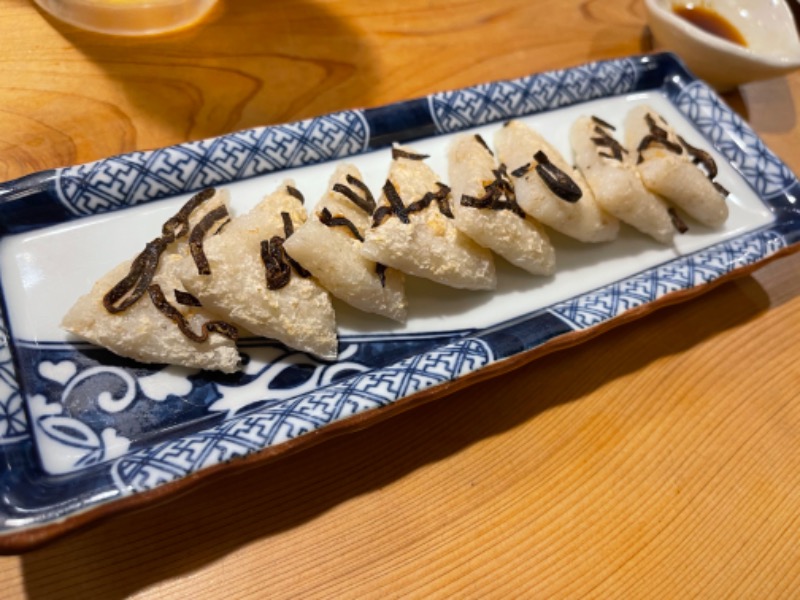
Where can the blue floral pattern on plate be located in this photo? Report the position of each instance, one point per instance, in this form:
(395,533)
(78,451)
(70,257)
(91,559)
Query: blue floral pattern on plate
(131,428)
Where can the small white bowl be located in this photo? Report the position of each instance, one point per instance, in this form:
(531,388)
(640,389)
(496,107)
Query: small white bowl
(773,47)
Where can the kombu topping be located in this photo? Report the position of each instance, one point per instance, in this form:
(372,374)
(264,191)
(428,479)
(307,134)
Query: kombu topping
(400,153)
(288,230)
(396,206)
(677,222)
(186,299)
(440,196)
(326,218)
(278,271)
(365,201)
(381,213)
(295,193)
(483,143)
(604,140)
(557,180)
(128,290)
(701,157)
(602,123)
(178,225)
(164,307)
(520,171)
(380,269)
(657,136)
(199,232)
(133,286)
(288,226)
(498,195)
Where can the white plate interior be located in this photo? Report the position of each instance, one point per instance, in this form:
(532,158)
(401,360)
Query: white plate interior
(45,271)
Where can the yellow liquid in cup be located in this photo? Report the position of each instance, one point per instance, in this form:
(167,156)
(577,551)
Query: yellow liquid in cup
(128,17)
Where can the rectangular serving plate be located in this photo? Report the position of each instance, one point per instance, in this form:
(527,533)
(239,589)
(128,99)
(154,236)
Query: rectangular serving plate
(86,433)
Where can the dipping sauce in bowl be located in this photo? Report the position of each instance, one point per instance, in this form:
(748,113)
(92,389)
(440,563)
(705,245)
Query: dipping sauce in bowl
(727,42)
(710,21)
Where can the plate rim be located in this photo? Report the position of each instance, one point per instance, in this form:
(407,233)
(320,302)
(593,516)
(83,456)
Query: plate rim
(38,187)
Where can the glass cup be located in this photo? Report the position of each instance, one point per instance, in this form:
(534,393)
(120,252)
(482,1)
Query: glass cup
(128,17)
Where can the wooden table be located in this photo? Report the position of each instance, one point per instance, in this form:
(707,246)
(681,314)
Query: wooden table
(660,459)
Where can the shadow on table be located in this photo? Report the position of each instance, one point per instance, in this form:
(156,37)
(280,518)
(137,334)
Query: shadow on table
(143,549)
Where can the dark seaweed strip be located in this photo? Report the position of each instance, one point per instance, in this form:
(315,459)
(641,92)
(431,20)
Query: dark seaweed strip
(700,157)
(380,269)
(165,308)
(604,140)
(185,298)
(554,178)
(499,195)
(484,201)
(441,198)
(198,235)
(677,222)
(395,201)
(603,123)
(135,283)
(381,213)
(295,193)
(352,196)
(721,188)
(369,199)
(658,136)
(298,268)
(655,130)
(277,269)
(649,140)
(133,286)
(326,218)
(483,143)
(400,153)
(365,202)
(288,226)
(222,226)
(178,225)
(520,171)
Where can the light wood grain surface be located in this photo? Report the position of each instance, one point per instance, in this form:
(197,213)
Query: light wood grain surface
(661,459)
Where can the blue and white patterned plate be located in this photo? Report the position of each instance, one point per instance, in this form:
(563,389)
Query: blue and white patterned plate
(83,431)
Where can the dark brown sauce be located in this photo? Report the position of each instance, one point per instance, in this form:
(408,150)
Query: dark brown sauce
(710,22)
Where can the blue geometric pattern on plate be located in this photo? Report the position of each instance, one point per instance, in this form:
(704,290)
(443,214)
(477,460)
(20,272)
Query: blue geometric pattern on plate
(691,271)
(13,422)
(489,102)
(89,406)
(246,434)
(33,498)
(141,176)
(734,138)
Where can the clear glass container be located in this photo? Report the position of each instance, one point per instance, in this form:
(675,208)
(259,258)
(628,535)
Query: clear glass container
(128,17)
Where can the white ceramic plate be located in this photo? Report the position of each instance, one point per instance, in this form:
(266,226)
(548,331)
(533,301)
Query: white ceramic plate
(86,432)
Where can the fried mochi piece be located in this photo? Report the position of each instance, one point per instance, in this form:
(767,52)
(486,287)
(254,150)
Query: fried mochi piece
(134,290)
(485,207)
(245,274)
(548,188)
(667,165)
(329,246)
(610,170)
(413,229)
